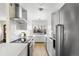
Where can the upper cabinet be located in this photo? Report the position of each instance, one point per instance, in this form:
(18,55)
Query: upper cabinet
(21,26)
(3,11)
(24,13)
(55,20)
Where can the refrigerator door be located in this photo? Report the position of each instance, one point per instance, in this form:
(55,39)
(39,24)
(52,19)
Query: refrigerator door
(59,39)
(69,16)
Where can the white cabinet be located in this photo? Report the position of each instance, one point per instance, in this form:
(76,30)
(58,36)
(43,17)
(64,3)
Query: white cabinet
(21,26)
(50,48)
(3,11)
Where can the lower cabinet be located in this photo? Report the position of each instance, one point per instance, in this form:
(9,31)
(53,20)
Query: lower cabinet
(50,48)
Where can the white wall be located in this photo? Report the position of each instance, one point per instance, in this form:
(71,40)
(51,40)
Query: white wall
(15,32)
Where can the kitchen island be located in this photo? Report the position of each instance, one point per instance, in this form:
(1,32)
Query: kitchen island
(13,49)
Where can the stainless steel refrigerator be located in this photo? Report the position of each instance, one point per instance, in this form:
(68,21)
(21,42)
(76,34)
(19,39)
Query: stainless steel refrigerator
(67,31)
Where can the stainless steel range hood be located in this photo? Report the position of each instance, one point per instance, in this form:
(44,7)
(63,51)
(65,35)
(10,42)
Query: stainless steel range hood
(20,14)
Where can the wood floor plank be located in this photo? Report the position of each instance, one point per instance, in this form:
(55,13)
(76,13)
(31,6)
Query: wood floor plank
(39,49)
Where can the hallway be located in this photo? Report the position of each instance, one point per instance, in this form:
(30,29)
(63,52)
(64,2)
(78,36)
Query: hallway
(39,50)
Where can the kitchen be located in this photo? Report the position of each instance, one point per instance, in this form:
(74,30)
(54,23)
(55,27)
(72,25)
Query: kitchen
(27,28)
(39,29)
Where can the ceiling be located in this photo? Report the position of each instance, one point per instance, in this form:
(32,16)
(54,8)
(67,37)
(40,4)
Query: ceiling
(46,6)
(33,12)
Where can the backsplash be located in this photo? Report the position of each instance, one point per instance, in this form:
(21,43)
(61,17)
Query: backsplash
(15,35)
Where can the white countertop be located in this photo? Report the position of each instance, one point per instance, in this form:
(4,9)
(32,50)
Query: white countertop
(11,49)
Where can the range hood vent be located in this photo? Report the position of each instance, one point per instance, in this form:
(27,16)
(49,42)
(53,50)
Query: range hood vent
(20,14)
(17,10)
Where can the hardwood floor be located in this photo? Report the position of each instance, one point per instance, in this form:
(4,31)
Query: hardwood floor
(39,50)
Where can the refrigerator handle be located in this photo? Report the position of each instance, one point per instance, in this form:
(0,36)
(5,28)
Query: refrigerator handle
(59,39)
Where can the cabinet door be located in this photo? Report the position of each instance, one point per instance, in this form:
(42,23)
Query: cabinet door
(24,13)
(21,26)
(12,10)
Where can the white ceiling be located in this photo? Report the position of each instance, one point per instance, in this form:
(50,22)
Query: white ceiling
(33,12)
(47,6)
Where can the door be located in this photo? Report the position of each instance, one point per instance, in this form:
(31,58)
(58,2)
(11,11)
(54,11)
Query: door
(69,17)
(59,39)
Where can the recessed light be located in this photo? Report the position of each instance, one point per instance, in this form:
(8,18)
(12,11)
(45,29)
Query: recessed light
(41,8)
